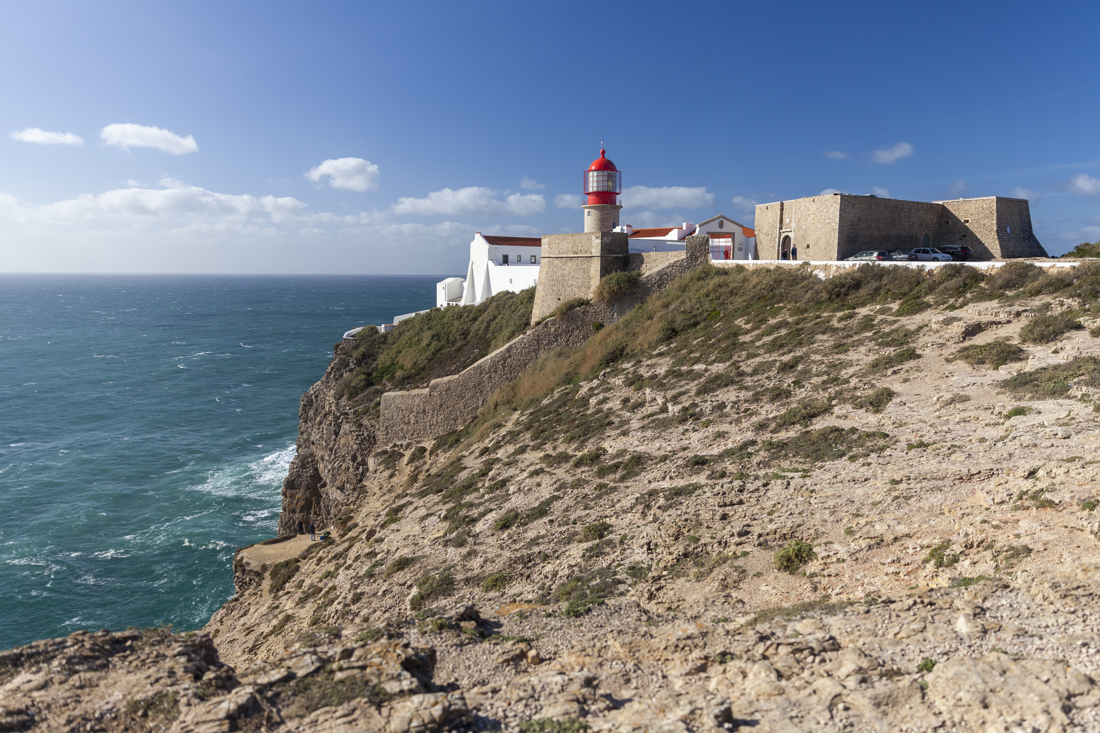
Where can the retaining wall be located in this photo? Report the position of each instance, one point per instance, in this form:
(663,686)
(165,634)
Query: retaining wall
(450,403)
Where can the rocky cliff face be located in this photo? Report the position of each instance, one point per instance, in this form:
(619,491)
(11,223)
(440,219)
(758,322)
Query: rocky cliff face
(335,442)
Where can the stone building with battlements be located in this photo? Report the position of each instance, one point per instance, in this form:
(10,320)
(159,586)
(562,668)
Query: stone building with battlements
(835,226)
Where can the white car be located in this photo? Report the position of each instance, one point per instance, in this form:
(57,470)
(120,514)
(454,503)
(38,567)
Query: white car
(929,253)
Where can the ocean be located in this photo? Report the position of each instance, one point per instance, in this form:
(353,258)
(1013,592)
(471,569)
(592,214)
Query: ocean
(146,427)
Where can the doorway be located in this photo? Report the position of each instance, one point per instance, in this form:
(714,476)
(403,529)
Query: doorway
(926,240)
(785,248)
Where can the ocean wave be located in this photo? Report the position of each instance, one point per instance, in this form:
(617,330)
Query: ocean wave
(248,347)
(111,554)
(254,480)
(15,445)
(26,561)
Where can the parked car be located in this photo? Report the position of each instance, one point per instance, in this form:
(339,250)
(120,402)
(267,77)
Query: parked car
(899,254)
(869,255)
(929,253)
(957,251)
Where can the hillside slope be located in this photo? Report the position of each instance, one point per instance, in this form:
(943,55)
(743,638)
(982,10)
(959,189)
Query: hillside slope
(744,441)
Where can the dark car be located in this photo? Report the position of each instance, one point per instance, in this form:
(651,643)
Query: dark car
(958,252)
(869,255)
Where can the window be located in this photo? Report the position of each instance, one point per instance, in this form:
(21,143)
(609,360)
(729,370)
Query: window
(603,181)
(589,213)
(504,259)
(534,259)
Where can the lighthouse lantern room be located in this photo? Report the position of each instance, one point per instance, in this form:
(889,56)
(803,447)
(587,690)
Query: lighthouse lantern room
(603,183)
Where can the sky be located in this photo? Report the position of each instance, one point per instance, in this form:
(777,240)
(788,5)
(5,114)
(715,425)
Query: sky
(376,138)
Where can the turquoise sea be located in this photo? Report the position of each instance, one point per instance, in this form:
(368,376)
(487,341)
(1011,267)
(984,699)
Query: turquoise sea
(146,426)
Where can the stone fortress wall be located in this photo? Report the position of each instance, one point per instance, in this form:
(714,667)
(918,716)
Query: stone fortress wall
(450,403)
(835,226)
(572,265)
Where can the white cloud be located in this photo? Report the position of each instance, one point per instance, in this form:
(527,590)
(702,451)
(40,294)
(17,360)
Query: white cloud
(958,189)
(352,174)
(835,155)
(472,200)
(651,219)
(569,200)
(882,193)
(828,192)
(889,155)
(666,197)
(128,135)
(512,230)
(742,204)
(1084,185)
(1022,193)
(529,184)
(42,137)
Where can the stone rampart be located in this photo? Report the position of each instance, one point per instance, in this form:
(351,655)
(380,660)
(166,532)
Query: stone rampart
(867,222)
(572,265)
(836,226)
(450,403)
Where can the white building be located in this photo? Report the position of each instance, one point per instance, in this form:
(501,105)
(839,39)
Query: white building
(729,240)
(496,264)
(666,239)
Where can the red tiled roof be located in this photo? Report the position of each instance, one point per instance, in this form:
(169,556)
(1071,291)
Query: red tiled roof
(513,241)
(749,233)
(649,233)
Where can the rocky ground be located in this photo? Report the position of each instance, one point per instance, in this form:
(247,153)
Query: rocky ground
(993,656)
(834,521)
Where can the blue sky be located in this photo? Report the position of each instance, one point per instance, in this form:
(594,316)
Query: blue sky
(377,137)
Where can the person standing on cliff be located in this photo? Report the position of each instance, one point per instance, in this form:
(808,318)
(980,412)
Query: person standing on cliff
(301,528)
(312,532)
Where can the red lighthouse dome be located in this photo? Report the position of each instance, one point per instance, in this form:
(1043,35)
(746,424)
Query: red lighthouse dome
(603,182)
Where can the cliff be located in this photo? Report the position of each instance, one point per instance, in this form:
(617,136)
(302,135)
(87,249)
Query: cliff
(758,500)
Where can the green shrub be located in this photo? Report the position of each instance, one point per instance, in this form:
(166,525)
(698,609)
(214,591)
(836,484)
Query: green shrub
(877,400)
(1045,328)
(1055,381)
(281,573)
(1018,412)
(399,564)
(1085,249)
(596,530)
(901,356)
(569,305)
(802,414)
(431,587)
(940,558)
(926,665)
(495,582)
(793,555)
(616,286)
(994,354)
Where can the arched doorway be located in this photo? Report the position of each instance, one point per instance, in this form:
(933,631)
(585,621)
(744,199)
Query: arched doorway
(785,248)
(926,240)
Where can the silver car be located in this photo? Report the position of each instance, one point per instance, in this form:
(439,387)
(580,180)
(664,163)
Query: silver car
(929,254)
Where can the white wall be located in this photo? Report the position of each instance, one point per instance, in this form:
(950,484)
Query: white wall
(512,277)
(655,245)
(448,292)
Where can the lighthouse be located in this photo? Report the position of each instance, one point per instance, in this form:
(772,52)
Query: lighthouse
(603,183)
